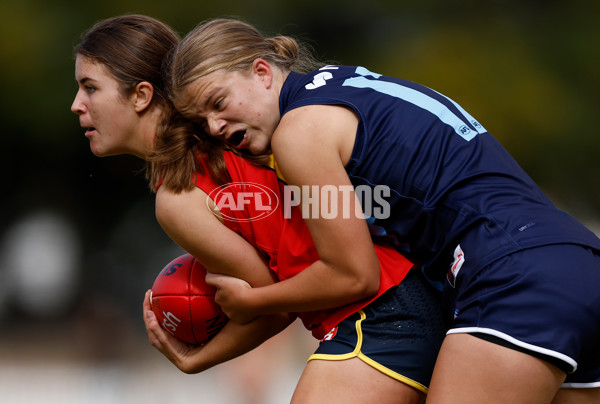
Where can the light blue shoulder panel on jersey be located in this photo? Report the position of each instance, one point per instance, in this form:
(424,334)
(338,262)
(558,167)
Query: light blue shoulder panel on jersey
(419,99)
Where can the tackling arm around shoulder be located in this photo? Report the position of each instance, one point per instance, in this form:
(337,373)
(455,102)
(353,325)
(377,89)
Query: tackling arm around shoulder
(311,146)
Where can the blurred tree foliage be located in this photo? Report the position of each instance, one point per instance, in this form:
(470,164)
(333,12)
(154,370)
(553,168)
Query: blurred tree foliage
(526,69)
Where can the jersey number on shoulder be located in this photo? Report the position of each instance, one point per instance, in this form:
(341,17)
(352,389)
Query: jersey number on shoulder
(320,79)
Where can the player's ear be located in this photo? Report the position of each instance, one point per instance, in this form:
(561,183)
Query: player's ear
(263,70)
(143,94)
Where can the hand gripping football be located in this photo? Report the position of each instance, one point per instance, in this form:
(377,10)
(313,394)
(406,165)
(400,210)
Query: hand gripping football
(184,304)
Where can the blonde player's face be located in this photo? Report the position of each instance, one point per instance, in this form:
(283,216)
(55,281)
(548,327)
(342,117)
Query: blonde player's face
(239,108)
(108,118)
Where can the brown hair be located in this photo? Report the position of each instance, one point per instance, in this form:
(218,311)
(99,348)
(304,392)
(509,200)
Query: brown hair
(230,45)
(179,145)
(133,48)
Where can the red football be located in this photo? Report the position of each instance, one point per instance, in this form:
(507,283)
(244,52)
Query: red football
(184,304)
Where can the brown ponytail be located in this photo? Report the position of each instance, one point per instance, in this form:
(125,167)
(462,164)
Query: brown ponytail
(174,161)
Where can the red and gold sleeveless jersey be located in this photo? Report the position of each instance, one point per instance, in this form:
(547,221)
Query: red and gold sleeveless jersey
(253,205)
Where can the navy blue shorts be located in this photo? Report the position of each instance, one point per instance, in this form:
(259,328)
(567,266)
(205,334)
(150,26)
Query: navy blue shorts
(398,334)
(543,301)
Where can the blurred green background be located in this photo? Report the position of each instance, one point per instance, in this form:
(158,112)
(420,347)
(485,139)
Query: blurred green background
(79,243)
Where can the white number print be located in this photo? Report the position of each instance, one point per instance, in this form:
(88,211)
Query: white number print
(319,80)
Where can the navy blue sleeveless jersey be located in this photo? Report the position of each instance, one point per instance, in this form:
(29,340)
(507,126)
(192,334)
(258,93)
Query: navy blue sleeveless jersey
(451,182)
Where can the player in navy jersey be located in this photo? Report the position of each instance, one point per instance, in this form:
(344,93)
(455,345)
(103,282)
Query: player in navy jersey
(122,105)
(520,277)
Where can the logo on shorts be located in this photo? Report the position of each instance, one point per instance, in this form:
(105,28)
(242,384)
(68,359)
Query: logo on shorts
(459,260)
(330,335)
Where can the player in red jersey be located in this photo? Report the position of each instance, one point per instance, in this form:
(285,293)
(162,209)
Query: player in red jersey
(122,105)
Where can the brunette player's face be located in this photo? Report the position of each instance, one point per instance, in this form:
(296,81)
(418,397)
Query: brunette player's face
(241,109)
(108,118)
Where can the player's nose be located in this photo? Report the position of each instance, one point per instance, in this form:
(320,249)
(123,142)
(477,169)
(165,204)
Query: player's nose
(78,106)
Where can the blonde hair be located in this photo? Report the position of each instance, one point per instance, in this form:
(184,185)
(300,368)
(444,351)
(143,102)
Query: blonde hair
(232,45)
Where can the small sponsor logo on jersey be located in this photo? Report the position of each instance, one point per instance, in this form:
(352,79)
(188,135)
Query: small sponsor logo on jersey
(525,227)
(330,335)
(476,124)
(255,200)
(464,130)
(459,260)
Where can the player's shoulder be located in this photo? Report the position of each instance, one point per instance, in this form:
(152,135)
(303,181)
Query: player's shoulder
(170,204)
(314,125)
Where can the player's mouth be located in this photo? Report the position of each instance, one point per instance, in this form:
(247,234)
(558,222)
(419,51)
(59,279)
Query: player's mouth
(89,131)
(236,138)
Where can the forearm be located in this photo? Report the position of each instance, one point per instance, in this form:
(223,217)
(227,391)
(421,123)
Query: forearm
(234,340)
(318,287)
(348,267)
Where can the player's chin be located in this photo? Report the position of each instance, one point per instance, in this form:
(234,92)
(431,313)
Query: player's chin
(97,152)
(98,149)
(102,150)
(258,149)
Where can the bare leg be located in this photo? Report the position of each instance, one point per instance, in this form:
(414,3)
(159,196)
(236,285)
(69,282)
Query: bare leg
(577,396)
(351,381)
(471,370)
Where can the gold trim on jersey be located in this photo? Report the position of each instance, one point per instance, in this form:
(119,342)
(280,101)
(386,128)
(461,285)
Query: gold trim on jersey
(358,354)
(268,162)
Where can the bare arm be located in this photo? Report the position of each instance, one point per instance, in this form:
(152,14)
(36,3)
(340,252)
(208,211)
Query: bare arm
(311,146)
(185,217)
(187,220)
(232,341)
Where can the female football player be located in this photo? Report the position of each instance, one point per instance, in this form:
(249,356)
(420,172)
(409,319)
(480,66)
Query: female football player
(520,277)
(380,335)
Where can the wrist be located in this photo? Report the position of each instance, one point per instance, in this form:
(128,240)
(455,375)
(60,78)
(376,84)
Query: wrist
(254,302)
